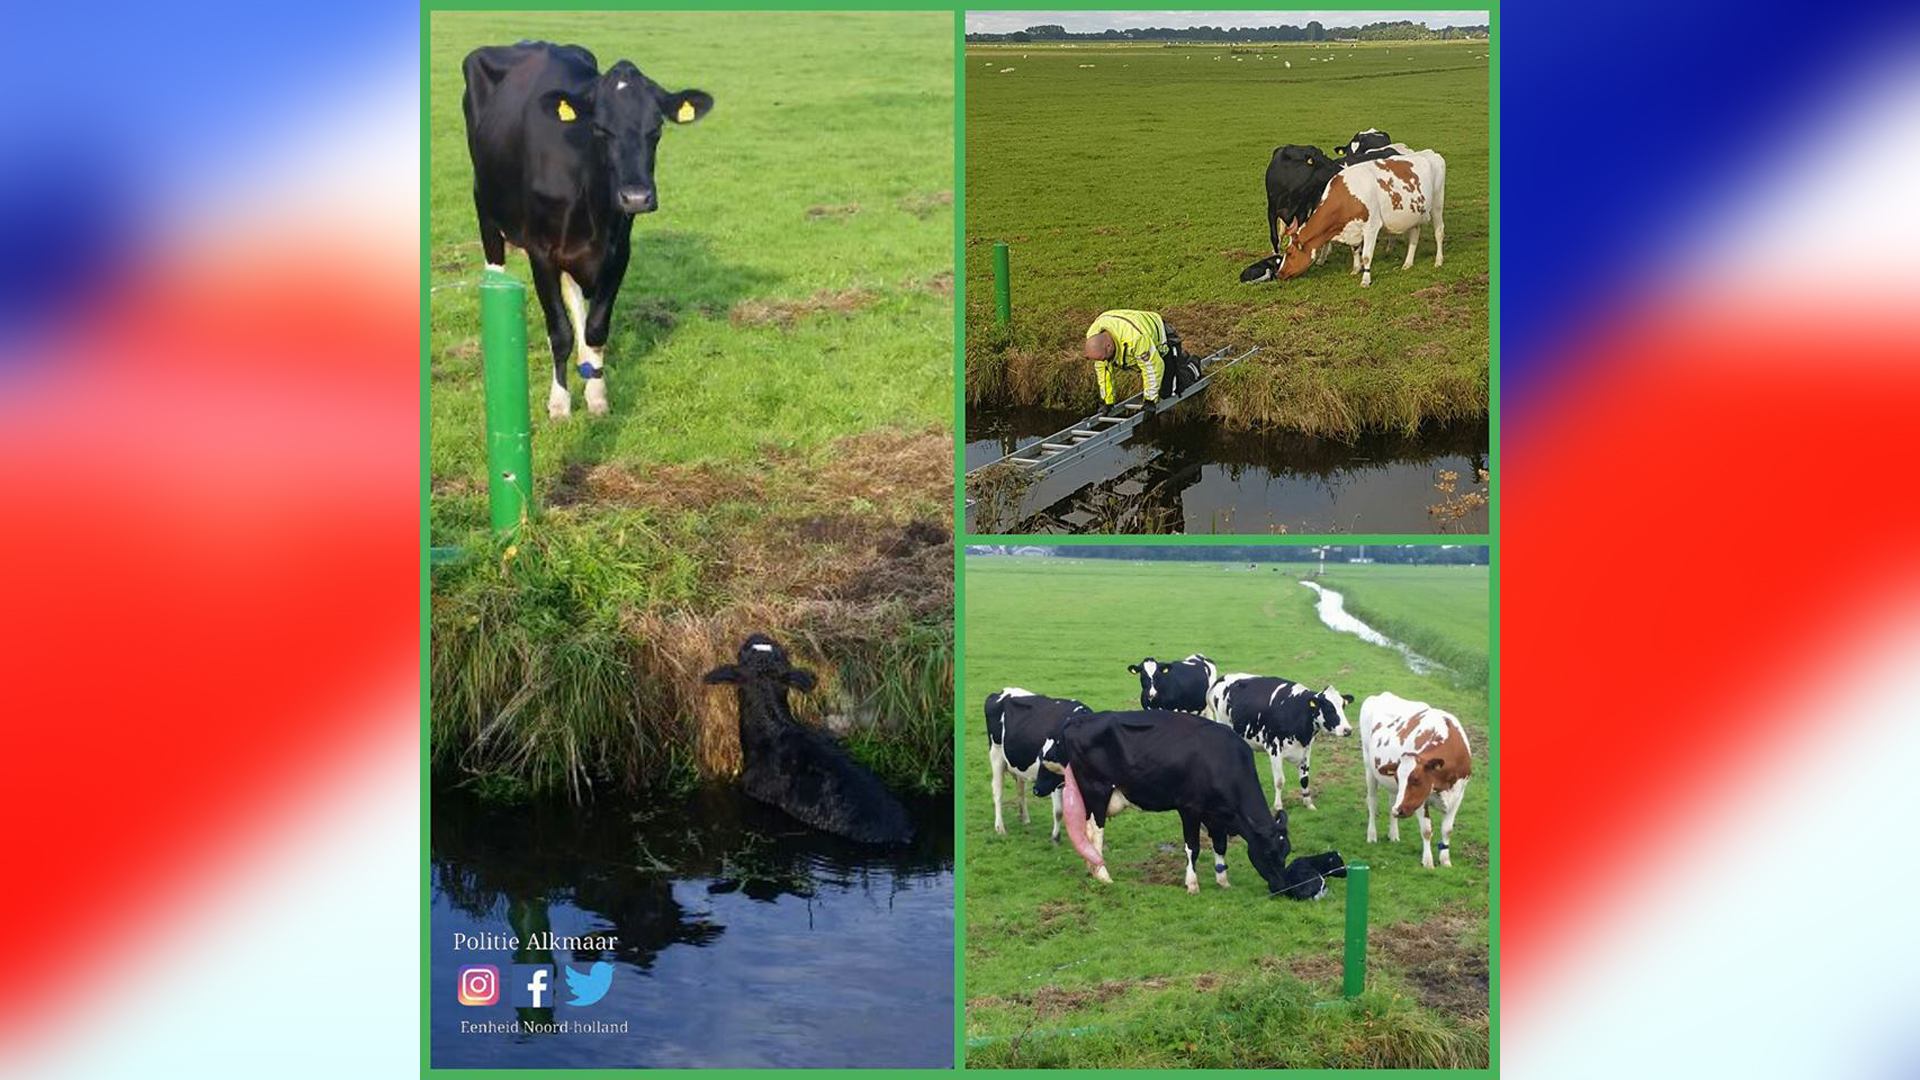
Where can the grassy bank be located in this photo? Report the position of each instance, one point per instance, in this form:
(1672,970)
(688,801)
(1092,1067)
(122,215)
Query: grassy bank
(1440,614)
(1168,224)
(1147,975)
(778,457)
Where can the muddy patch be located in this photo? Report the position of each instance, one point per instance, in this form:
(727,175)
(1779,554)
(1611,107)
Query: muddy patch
(1443,960)
(833,210)
(925,206)
(785,313)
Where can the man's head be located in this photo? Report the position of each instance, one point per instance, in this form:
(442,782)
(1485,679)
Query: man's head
(1100,346)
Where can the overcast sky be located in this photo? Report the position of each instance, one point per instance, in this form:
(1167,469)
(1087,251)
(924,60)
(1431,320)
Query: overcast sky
(1000,22)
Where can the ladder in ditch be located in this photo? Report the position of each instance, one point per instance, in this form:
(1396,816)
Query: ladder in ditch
(1100,430)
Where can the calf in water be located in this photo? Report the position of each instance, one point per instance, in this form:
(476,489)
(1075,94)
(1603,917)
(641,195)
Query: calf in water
(795,768)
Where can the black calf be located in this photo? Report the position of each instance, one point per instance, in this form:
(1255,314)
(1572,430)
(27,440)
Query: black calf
(796,768)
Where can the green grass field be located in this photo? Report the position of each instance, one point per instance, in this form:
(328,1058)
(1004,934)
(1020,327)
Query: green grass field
(779,451)
(1139,183)
(1063,971)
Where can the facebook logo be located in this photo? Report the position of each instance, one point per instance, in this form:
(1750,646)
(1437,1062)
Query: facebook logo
(531,986)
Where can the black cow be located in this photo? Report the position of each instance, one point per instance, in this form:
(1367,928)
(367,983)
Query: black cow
(1159,760)
(1020,725)
(794,767)
(1181,687)
(1296,178)
(563,157)
(1281,717)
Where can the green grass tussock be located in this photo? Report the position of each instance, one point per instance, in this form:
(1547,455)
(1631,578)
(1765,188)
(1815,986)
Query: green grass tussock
(1169,226)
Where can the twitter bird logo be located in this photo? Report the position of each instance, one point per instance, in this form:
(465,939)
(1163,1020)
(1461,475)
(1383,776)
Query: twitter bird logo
(592,986)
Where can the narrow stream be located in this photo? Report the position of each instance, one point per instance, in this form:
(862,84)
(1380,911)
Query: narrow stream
(1333,611)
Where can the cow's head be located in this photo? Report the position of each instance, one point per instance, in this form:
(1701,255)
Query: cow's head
(1053,766)
(762,665)
(626,111)
(1421,773)
(1295,256)
(1329,709)
(1150,671)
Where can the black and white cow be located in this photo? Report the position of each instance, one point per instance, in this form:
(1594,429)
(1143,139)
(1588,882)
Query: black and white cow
(1281,717)
(1181,686)
(1296,177)
(1369,145)
(563,158)
(1158,760)
(791,766)
(1020,726)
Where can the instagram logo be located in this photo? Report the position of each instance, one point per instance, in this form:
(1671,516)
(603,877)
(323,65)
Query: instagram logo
(479,984)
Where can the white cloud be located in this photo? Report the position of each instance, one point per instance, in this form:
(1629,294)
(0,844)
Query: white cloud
(1000,22)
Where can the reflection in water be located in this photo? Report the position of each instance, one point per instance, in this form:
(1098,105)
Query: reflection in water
(719,907)
(1189,475)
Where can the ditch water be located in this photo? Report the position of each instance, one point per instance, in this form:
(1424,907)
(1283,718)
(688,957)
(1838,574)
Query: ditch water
(1332,608)
(742,938)
(1191,476)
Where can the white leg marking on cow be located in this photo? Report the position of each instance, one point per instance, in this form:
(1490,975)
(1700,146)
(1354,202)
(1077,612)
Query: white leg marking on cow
(1193,878)
(1367,244)
(998,758)
(1279,779)
(1306,766)
(1413,242)
(502,267)
(596,389)
(559,402)
(1451,799)
(1426,837)
(1020,796)
(1055,799)
(1373,785)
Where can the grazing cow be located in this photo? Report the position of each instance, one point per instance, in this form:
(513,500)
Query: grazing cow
(1181,687)
(794,767)
(1296,177)
(1281,717)
(1422,753)
(1159,760)
(1397,195)
(1020,724)
(563,158)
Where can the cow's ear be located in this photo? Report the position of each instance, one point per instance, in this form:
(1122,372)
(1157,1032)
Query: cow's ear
(1134,668)
(723,674)
(686,106)
(799,678)
(565,107)
(1434,764)
(1348,698)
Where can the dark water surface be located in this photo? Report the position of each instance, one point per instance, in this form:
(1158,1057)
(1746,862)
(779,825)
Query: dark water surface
(1178,475)
(743,938)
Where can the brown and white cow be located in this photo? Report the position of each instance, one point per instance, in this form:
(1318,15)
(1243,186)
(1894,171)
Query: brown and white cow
(1396,195)
(1421,753)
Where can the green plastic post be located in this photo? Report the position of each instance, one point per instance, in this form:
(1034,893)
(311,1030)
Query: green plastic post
(503,344)
(1356,964)
(1002,297)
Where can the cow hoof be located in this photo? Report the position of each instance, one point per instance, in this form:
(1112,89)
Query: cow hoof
(1308,803)
(1056,838)
(1100,874)
(1446,860)
(999,828)
(559,404)
(1221,880)
(1193,888)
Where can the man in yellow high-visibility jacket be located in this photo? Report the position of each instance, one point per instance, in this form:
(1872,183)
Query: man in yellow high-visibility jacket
(1130,339)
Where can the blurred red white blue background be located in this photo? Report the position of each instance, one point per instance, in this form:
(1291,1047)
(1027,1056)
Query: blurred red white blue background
(209,419)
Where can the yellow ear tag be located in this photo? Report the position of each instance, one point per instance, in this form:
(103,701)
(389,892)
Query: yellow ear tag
(567,115)
(685,115)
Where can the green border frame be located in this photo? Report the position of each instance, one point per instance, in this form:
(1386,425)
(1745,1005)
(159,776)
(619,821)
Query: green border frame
(1491,539)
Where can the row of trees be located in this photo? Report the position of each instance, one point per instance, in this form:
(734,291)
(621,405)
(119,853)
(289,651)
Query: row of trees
(1400,30)
(1422,554)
